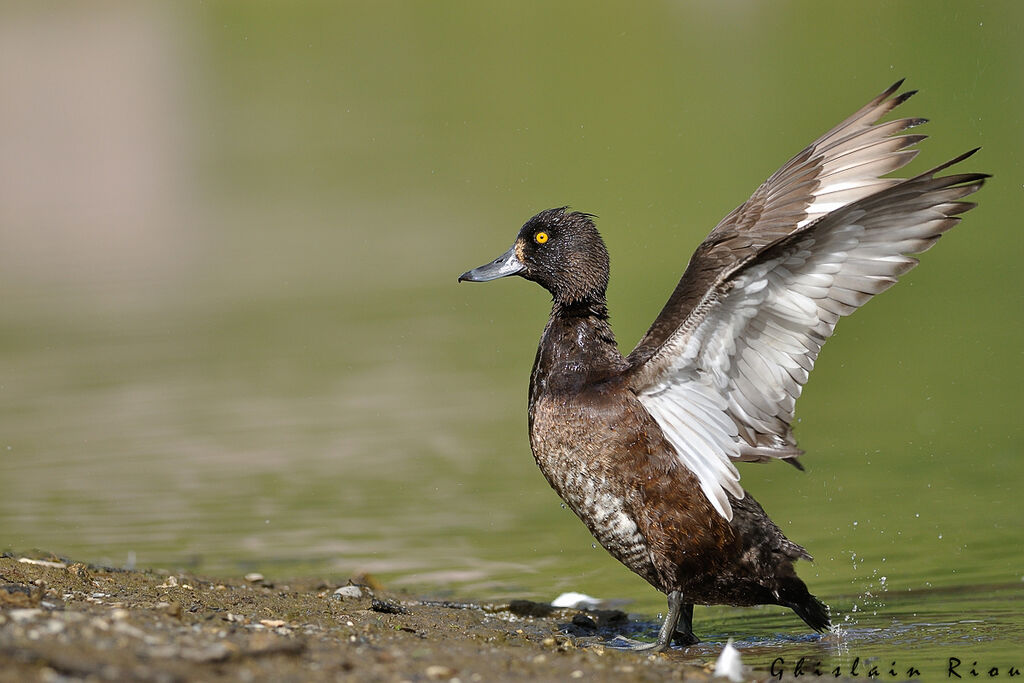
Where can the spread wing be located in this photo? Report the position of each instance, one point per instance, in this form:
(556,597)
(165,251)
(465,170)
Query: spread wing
(843,165)
(721,368)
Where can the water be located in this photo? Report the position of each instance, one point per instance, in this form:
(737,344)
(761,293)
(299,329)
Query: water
(921,629)
(231,337)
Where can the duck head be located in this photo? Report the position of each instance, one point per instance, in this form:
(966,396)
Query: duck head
(559,250)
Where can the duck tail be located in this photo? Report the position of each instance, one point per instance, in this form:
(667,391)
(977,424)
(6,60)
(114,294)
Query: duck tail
(794,594)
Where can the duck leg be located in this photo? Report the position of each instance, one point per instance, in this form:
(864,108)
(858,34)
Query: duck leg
(668,628)
(684,630)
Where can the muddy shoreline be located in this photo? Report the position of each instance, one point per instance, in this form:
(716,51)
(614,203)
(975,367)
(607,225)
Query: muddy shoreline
(62,620)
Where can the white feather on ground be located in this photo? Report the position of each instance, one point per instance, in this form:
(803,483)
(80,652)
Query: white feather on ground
(729,664)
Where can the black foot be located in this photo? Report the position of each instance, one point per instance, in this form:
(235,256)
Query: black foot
(685,639)
(684,632)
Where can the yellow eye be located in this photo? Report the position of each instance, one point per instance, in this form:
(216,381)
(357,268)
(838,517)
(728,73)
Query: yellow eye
(541,237)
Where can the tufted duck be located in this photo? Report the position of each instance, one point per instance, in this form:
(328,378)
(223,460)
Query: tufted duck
(642,447)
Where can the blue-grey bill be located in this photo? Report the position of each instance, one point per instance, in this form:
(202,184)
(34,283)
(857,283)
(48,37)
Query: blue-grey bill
(503,266)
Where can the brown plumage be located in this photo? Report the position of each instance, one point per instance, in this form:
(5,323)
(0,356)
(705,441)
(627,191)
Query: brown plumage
(641,447)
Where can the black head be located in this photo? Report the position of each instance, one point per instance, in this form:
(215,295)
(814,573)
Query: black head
(561,251)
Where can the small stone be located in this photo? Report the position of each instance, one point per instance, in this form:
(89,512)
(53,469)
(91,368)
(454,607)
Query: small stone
(576,674)
(273,623)
(217,652)
(387,607)
(163,651)
(540,659)
(270,644)
(18,595)
(348,592)
(528,608)
(53,627)
(127,629)
(119,614)
(20,616)
(548,642)
(42,563)
(437,672)
(254,577)
(81,571)
(584,622)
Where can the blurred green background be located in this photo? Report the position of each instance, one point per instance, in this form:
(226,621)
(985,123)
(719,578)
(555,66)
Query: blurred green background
(231,335)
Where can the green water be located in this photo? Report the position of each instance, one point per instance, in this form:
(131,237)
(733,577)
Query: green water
(231,337)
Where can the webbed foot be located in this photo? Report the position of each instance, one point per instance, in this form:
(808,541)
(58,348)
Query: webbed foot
(668,632)
(624,643)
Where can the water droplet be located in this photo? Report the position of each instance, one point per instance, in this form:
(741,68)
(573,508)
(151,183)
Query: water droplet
(593,545)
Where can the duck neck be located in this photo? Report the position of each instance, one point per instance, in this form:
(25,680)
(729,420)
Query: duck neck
(578,348)
(587,321)
(596,308)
